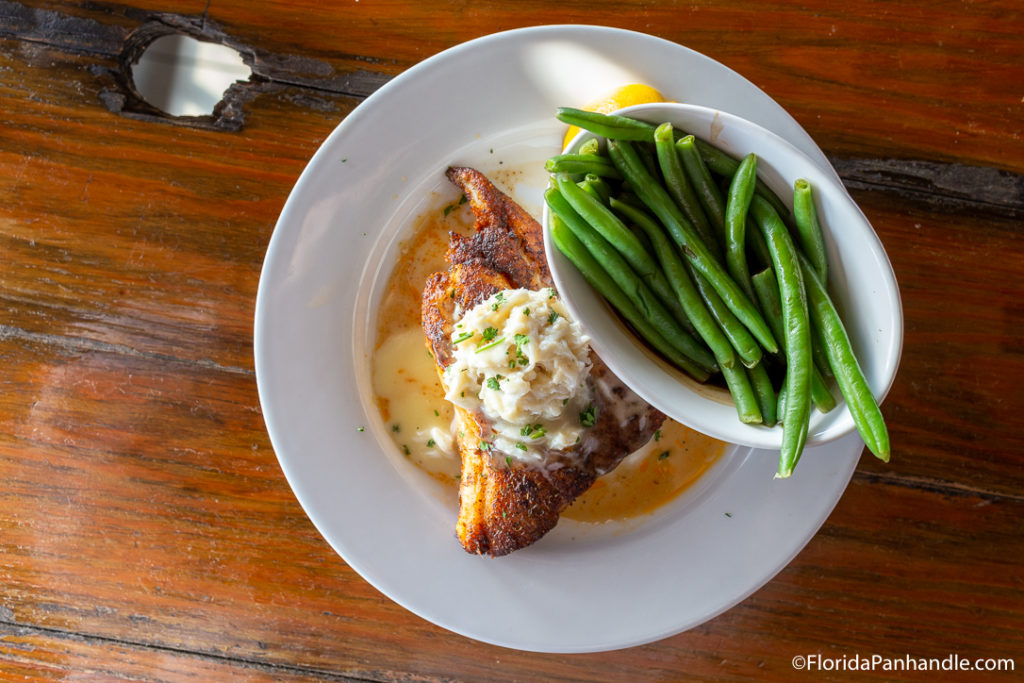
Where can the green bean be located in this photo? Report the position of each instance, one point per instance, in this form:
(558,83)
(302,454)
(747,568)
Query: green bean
(849,376)
(678,275)
(756,244)
(722,164)
(601,218)
(680,315)
(644,300)
(607,125)
(781,404)
(818,356)
(798,333)
(739,337)
(766,287)
(821,397)
(741,191)
(808,229)
(716,160)
(649,159)
(743,395)
(596,186)
(679,186)
(590,146)
(624,196)
(707,192)
(577,253)
(577,164)
(764,391)
(646,241)
(682,231)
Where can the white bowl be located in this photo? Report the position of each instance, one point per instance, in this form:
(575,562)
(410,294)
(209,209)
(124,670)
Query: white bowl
(861,283)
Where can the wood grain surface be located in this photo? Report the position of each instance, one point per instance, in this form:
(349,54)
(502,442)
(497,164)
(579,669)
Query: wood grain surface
(146,530)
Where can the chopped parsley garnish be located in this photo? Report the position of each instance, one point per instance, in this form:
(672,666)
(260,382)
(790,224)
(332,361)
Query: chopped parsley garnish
(360,429)
(589,416)
(552,293)
(492,383)
(431,443)
(491,345)
(526,310)
(451,207)
(553,317)
(657,435)
(462,337)
(489,333)
(521,358)
(405,449)
(499,298)
(521,446)
(395,428)
(508,461)
(663,455)
(484,446)
(436,414)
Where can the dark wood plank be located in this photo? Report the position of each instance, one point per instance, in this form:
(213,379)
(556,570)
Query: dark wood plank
(885,80)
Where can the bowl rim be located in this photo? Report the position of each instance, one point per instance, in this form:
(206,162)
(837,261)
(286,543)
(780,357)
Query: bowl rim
(757,436)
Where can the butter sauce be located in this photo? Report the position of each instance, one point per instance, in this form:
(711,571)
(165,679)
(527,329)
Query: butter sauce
(411,398)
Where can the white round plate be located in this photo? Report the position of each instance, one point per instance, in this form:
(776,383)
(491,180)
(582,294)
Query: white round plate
(490,103)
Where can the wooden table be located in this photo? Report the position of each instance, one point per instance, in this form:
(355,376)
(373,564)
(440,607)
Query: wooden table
(146,529)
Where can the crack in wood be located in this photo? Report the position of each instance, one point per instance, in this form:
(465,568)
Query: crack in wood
(84,344)
(9,624)
(59,30)
(950,186)
(944,488)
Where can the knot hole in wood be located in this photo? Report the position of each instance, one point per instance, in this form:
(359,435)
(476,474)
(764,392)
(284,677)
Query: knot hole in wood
(185,71)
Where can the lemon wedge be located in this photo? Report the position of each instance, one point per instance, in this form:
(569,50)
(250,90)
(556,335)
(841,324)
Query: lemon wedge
(623,96)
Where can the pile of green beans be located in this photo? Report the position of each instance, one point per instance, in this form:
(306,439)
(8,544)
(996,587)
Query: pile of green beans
(710,269)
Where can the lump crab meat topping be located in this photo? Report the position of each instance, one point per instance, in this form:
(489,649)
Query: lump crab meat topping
(524,365)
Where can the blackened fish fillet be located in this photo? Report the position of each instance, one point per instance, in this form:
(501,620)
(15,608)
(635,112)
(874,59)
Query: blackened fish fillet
(504,507)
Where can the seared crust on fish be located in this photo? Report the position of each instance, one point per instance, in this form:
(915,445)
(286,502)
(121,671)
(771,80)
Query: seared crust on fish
(506,504)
